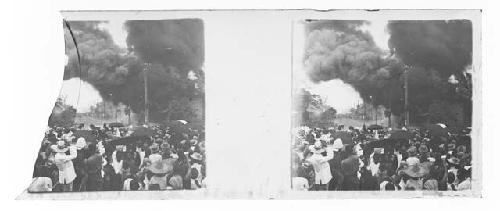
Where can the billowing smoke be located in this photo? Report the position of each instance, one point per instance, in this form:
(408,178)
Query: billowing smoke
(173,48)
(430,50)
(341,50)
(175,43)
(445,46)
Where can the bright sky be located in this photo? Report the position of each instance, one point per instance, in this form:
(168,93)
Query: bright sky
(88,94)
(336,93)
(118,33)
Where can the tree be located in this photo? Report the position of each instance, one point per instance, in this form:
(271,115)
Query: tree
(329,114)
(63,115)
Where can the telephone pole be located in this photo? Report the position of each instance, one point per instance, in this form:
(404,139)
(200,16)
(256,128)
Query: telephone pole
(407,113)
(146,97)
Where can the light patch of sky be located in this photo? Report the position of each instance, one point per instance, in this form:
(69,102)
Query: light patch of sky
(378,29)
(89,96)
(116,28)
(335,93)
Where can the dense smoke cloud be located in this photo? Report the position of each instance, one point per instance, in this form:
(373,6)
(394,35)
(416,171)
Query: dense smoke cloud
(340,50)
(177,43)
(445,46)
(174,48)
(431,50)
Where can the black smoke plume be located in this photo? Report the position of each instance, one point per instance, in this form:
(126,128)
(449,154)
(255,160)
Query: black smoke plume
(445,46)
(174,48)
(430,50)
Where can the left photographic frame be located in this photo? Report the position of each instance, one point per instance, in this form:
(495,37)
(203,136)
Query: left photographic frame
(130,115)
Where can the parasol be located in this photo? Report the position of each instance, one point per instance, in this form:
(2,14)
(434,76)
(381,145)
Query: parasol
(400,134)
(437,130)
(385,142)
(177,126)
(375,127)
(116,124)
(143,131)
(129,140)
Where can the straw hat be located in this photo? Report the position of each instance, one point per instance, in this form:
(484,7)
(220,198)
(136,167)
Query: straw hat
(59,147)
(317,148)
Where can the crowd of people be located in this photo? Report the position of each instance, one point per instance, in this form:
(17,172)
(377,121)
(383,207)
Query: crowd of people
(372,160)
(119,159)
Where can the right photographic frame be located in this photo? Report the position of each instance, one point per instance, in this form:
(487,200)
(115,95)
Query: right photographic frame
(381,104)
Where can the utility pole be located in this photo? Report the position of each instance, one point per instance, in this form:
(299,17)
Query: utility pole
(364,113)
(407,113)
(146,97)
(373,108)
(128,113)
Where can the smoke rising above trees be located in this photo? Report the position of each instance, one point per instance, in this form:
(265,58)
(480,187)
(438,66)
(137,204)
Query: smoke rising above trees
(432,51)
(174,48)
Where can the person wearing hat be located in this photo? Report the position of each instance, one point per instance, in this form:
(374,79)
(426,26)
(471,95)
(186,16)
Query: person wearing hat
(159,168)
(423,151)
(159,171)
(415,174)
(321,166)
(81,174)
(335,164)
(412,156)
(196,170)
(64,164)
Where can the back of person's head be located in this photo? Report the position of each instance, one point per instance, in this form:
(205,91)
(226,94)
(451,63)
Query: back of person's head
(349,149)
(134,185)
(194,173)
(92,148)
(390,186)
(435,172)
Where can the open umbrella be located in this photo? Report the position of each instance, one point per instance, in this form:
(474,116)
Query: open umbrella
(385,142)
(178,127)
(437,130)
(143,131)
(129,140)
(116,124)
(88,135)
(400,134)
(375,127)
